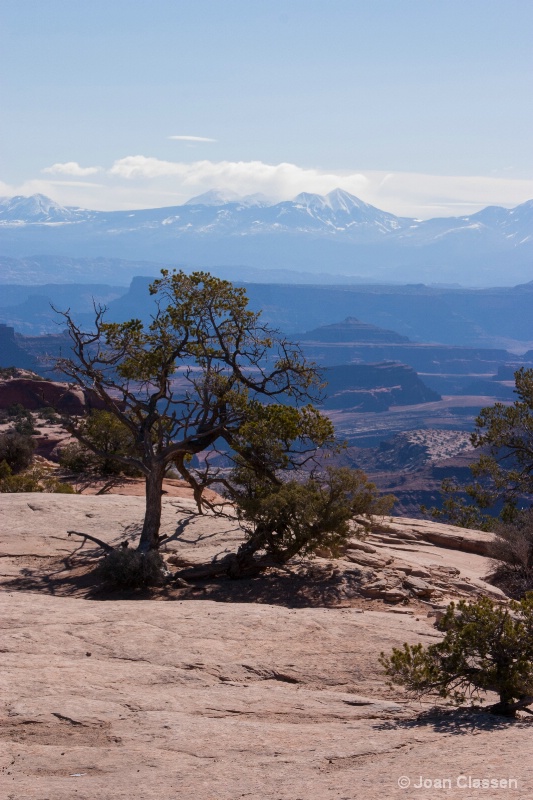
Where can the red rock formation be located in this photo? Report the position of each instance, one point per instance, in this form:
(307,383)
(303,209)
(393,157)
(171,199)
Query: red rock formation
(34,394)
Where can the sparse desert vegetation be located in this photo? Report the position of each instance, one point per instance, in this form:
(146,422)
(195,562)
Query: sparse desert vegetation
(486,648)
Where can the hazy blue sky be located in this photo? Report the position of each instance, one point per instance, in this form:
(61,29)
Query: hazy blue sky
(418,106)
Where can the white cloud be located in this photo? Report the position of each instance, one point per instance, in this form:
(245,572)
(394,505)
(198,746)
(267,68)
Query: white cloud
(145,182)
(192,139)
(279,181)
(403,193)
(67,193)
(71,168)
(420,195)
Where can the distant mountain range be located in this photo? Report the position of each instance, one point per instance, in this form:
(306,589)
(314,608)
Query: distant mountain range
(332,234)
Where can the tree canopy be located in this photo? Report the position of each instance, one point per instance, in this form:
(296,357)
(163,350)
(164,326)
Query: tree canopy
(486,648)
(204,384)
(506,433)
(502,485)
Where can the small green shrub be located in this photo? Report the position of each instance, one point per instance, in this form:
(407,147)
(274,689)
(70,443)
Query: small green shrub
(61,488)
(24,426)
(512,551)
(21,482)
(300,517)
(8,372)
(22,419)
(126,568)
(34,479)
(49,414)
(107,438)
(486,648)
(16,410)
(16,450)
(76,458)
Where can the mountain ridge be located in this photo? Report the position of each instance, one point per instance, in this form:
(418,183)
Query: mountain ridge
(336,232)
(38,208)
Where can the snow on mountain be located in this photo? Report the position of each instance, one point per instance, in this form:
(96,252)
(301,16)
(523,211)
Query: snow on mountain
(336,214)
(221,198)
(213,198)
(518,222)
(37,208)
(336,200)
(338,211)
(256,199)
(337,233)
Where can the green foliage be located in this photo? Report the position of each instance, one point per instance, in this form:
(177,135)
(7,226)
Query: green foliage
(503,475)
(22,419)
(486,648)
(16,450)
(125,568)
(8,372)
(17,410)
(24,426)
(512,550)
(206,321)
(507,434)
(270,436)
(34,479)
(21,482)
(299,517)
(75,458)
(105,440)
(193,382)
(50,415)
(59,487)
(463,506)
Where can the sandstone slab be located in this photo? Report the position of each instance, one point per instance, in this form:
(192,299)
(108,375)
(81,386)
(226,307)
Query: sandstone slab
(145,699)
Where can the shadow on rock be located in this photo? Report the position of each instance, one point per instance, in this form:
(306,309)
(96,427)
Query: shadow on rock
(458,721)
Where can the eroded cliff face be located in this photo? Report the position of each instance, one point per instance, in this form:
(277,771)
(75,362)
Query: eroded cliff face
(352,329)
(34,393)
(11,353)
(412,465)
(374,387)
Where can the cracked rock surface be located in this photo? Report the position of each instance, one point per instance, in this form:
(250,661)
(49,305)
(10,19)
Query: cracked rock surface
(111,699)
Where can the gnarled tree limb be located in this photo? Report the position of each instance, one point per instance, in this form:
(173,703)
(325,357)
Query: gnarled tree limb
(104,545)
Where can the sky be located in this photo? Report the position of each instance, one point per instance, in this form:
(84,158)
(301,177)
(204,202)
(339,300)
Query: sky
(420,107)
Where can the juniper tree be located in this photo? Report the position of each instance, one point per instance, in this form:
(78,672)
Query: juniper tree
(205,378)
(486,648)
(502,482)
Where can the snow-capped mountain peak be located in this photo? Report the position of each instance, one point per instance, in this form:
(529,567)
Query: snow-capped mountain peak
(214,197)
(307,232)
(217,198)
(36,208)
(340,200)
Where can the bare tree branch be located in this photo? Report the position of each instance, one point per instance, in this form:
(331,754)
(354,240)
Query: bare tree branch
(87,536)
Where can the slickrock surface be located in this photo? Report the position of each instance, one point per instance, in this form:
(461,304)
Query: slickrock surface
(37,554)
(108,699)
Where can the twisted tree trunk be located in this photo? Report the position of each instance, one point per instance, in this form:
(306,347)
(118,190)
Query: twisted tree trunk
(152,518)
(507,708)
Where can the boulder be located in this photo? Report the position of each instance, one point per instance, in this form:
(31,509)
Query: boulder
(418,587)
(368,560)
(436,533)
(356,544)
